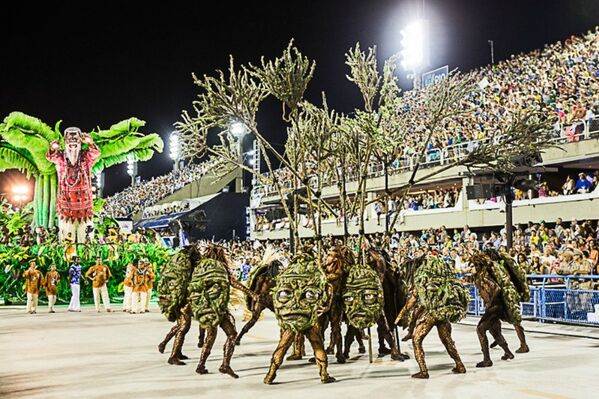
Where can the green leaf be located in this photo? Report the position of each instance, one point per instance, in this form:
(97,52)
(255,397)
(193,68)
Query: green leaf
(12,158)
(119,147)
(35,145)
(31,125)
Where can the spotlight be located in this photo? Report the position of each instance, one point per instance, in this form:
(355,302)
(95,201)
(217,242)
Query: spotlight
(412,43)
(237,129)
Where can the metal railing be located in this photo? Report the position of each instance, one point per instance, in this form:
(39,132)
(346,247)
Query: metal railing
(572,299)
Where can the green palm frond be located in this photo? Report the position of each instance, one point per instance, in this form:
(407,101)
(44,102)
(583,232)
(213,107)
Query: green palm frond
(30,125)
(118,147)
(33,144)
(143,154)
(12,158)
(123,128)
(152,141)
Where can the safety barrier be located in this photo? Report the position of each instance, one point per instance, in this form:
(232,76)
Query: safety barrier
(554,298)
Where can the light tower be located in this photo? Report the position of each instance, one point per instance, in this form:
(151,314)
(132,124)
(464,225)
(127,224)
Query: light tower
(255,159)
(239,130)
(132,169)
(99,184)
(175,149)
(413,53)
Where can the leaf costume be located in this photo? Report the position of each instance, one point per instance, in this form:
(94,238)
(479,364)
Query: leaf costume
(437,298)
(300,295)
(502,286)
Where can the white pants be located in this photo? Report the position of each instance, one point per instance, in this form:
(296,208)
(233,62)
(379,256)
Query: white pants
(51,302)
(127,298)
(104,292)
(31,302)
(138,301)
(76,229)
(75,305)
(148,296)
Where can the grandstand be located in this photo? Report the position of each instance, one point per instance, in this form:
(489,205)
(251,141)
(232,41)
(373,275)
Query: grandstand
(157,202)
(562,79)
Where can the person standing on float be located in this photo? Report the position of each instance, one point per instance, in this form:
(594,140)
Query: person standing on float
(74,201)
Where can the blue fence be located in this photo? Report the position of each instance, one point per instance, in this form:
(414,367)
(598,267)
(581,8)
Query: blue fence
(567,299)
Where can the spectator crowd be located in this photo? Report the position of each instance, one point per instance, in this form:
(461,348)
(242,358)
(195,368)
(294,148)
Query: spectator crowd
(560,80)
(141,195)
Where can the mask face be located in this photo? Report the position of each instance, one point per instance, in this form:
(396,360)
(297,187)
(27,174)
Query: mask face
(299,295)
(172,286)
(363,297)
(209,292)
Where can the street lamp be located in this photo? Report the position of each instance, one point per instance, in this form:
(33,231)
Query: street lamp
(413,49)
(175,148)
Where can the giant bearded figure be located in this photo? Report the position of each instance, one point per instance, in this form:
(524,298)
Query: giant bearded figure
(74,205)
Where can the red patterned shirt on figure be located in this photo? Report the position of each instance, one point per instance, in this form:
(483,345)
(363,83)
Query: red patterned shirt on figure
(74,201)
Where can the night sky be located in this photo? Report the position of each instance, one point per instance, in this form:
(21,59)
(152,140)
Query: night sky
(96,65)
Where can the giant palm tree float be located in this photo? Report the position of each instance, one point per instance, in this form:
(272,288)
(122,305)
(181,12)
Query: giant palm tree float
(25,141)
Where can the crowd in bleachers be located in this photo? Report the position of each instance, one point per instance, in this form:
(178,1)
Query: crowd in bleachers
(138,196)
(585,183)
(168,209)
(560,248)
(562,80)
(416,201)
(557,248)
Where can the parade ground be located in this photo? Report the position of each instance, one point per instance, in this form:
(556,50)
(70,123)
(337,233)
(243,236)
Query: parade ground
(114,355)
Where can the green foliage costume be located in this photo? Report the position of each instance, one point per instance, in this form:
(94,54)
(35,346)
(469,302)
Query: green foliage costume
(209,292)
(440,292)
(363,297)
(300,295)
(197,285)
(437,299)
(502,286)
(172,287)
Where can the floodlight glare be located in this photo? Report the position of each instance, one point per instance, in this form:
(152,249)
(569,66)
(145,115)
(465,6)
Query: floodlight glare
(412,44)
(20,190)
(237,129)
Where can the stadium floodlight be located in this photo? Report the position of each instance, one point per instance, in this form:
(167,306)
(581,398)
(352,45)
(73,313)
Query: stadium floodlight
(412,43)
(238,129)
(174,146)
(132,168)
